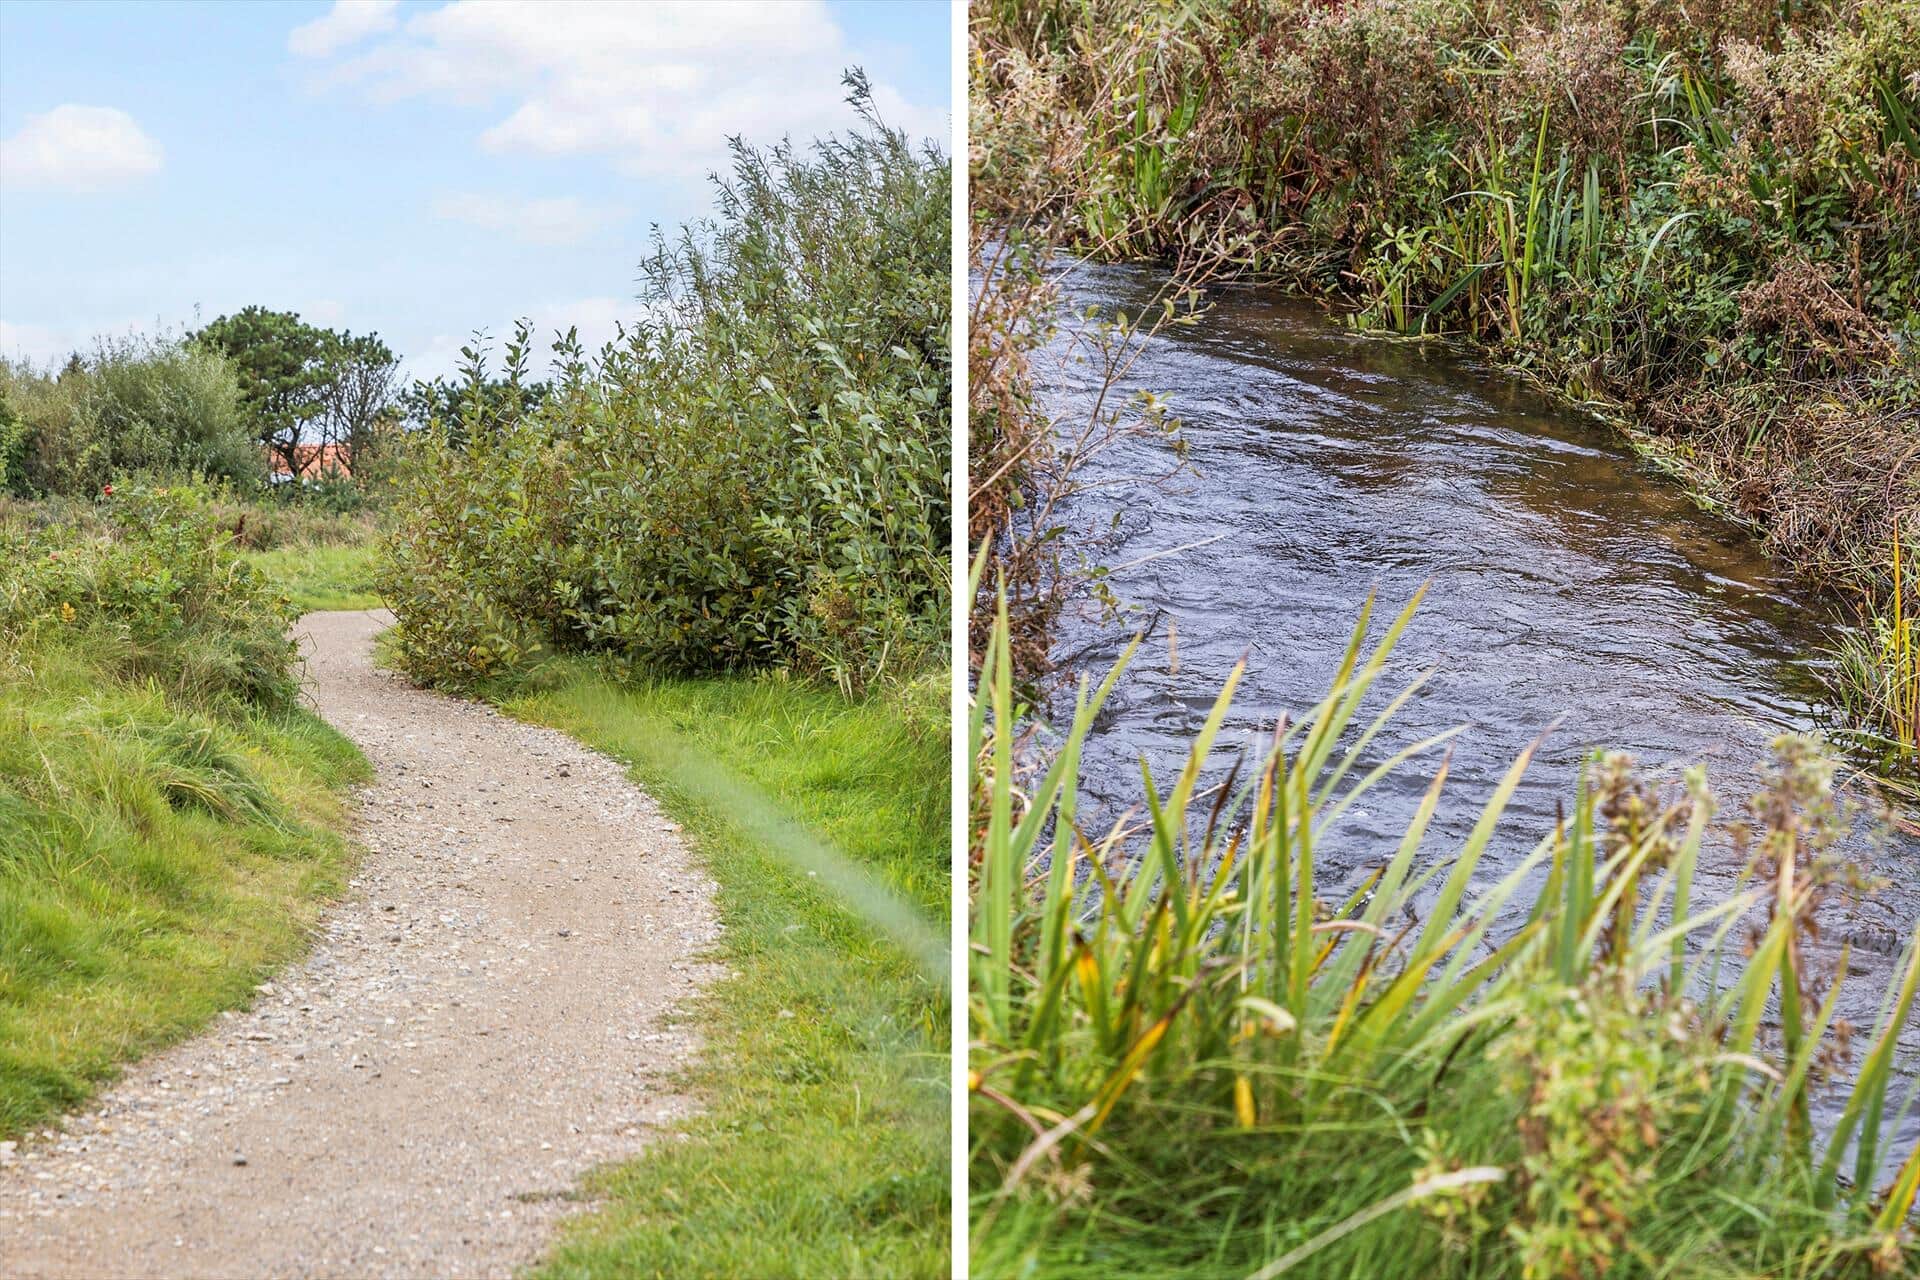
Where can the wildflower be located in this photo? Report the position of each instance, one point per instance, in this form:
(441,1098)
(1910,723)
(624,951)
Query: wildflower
(106,490)
(66,612)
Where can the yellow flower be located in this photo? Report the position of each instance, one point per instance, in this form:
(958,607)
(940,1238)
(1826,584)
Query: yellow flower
(66,612)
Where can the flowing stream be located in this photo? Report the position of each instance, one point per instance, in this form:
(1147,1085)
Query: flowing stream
(1569,587)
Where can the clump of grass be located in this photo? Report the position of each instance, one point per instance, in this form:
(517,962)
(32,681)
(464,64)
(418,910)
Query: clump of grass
(1187,1060)
(158,858)
(822,1149)
(1877,675)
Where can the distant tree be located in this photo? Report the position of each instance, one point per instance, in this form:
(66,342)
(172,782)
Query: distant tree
(363,379)
(280,361)
(303,385)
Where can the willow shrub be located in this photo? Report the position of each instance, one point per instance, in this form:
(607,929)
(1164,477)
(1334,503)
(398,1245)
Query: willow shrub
(755,474)
(1188,1060)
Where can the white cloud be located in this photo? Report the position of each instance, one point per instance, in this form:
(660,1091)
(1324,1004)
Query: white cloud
(78,148)
(555,221)
(348,22)
(657,87)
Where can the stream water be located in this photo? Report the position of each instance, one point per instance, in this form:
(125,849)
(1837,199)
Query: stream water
(1567,584)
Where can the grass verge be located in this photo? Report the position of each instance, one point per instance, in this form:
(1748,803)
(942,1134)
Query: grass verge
(822,1150)
(321,577)
(157,860)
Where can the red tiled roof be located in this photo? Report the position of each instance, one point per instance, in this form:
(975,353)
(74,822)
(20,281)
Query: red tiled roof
(314,460)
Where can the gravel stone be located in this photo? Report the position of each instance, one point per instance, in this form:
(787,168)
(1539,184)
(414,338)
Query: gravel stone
(493,1008)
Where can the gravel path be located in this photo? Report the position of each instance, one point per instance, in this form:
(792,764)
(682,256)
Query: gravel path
(486,1015)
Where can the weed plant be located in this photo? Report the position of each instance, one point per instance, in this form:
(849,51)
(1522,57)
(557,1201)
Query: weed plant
(1186,1060)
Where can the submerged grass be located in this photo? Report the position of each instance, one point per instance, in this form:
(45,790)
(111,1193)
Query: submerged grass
(1188,1061)
(157,860)
(822,1149)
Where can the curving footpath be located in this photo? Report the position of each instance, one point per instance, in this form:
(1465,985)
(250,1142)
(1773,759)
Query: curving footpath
(487,1014)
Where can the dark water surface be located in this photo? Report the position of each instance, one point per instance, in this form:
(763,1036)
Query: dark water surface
(1567,583)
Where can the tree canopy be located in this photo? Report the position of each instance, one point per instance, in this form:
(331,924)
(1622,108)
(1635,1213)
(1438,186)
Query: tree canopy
(302,385)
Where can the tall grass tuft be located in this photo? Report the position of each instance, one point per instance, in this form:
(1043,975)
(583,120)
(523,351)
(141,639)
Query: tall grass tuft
(169,814)
(1189,1057)
(1877,663)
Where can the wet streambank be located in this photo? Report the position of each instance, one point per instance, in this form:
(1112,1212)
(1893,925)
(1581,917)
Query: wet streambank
(1570,588)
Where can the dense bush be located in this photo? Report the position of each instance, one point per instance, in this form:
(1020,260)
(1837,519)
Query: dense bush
(757,473)
(153,589)
(132,404)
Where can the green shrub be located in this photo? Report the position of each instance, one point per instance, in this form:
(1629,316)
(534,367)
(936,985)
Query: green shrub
(755,475)
(154,589)
(133,404)
(14,438)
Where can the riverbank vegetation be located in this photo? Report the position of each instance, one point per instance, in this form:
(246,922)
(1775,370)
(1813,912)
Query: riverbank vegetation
(1188,1060)
(170,811)
(1026,464)
(1701,223)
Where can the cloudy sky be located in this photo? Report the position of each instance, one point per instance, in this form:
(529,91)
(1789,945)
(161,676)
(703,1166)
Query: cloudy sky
(418,168)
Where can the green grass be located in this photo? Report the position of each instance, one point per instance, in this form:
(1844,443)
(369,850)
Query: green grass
(321,577)
(157,860)
(1190,1060)
(823,1147)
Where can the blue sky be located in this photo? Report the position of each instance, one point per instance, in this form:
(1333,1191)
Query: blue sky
(419,168)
